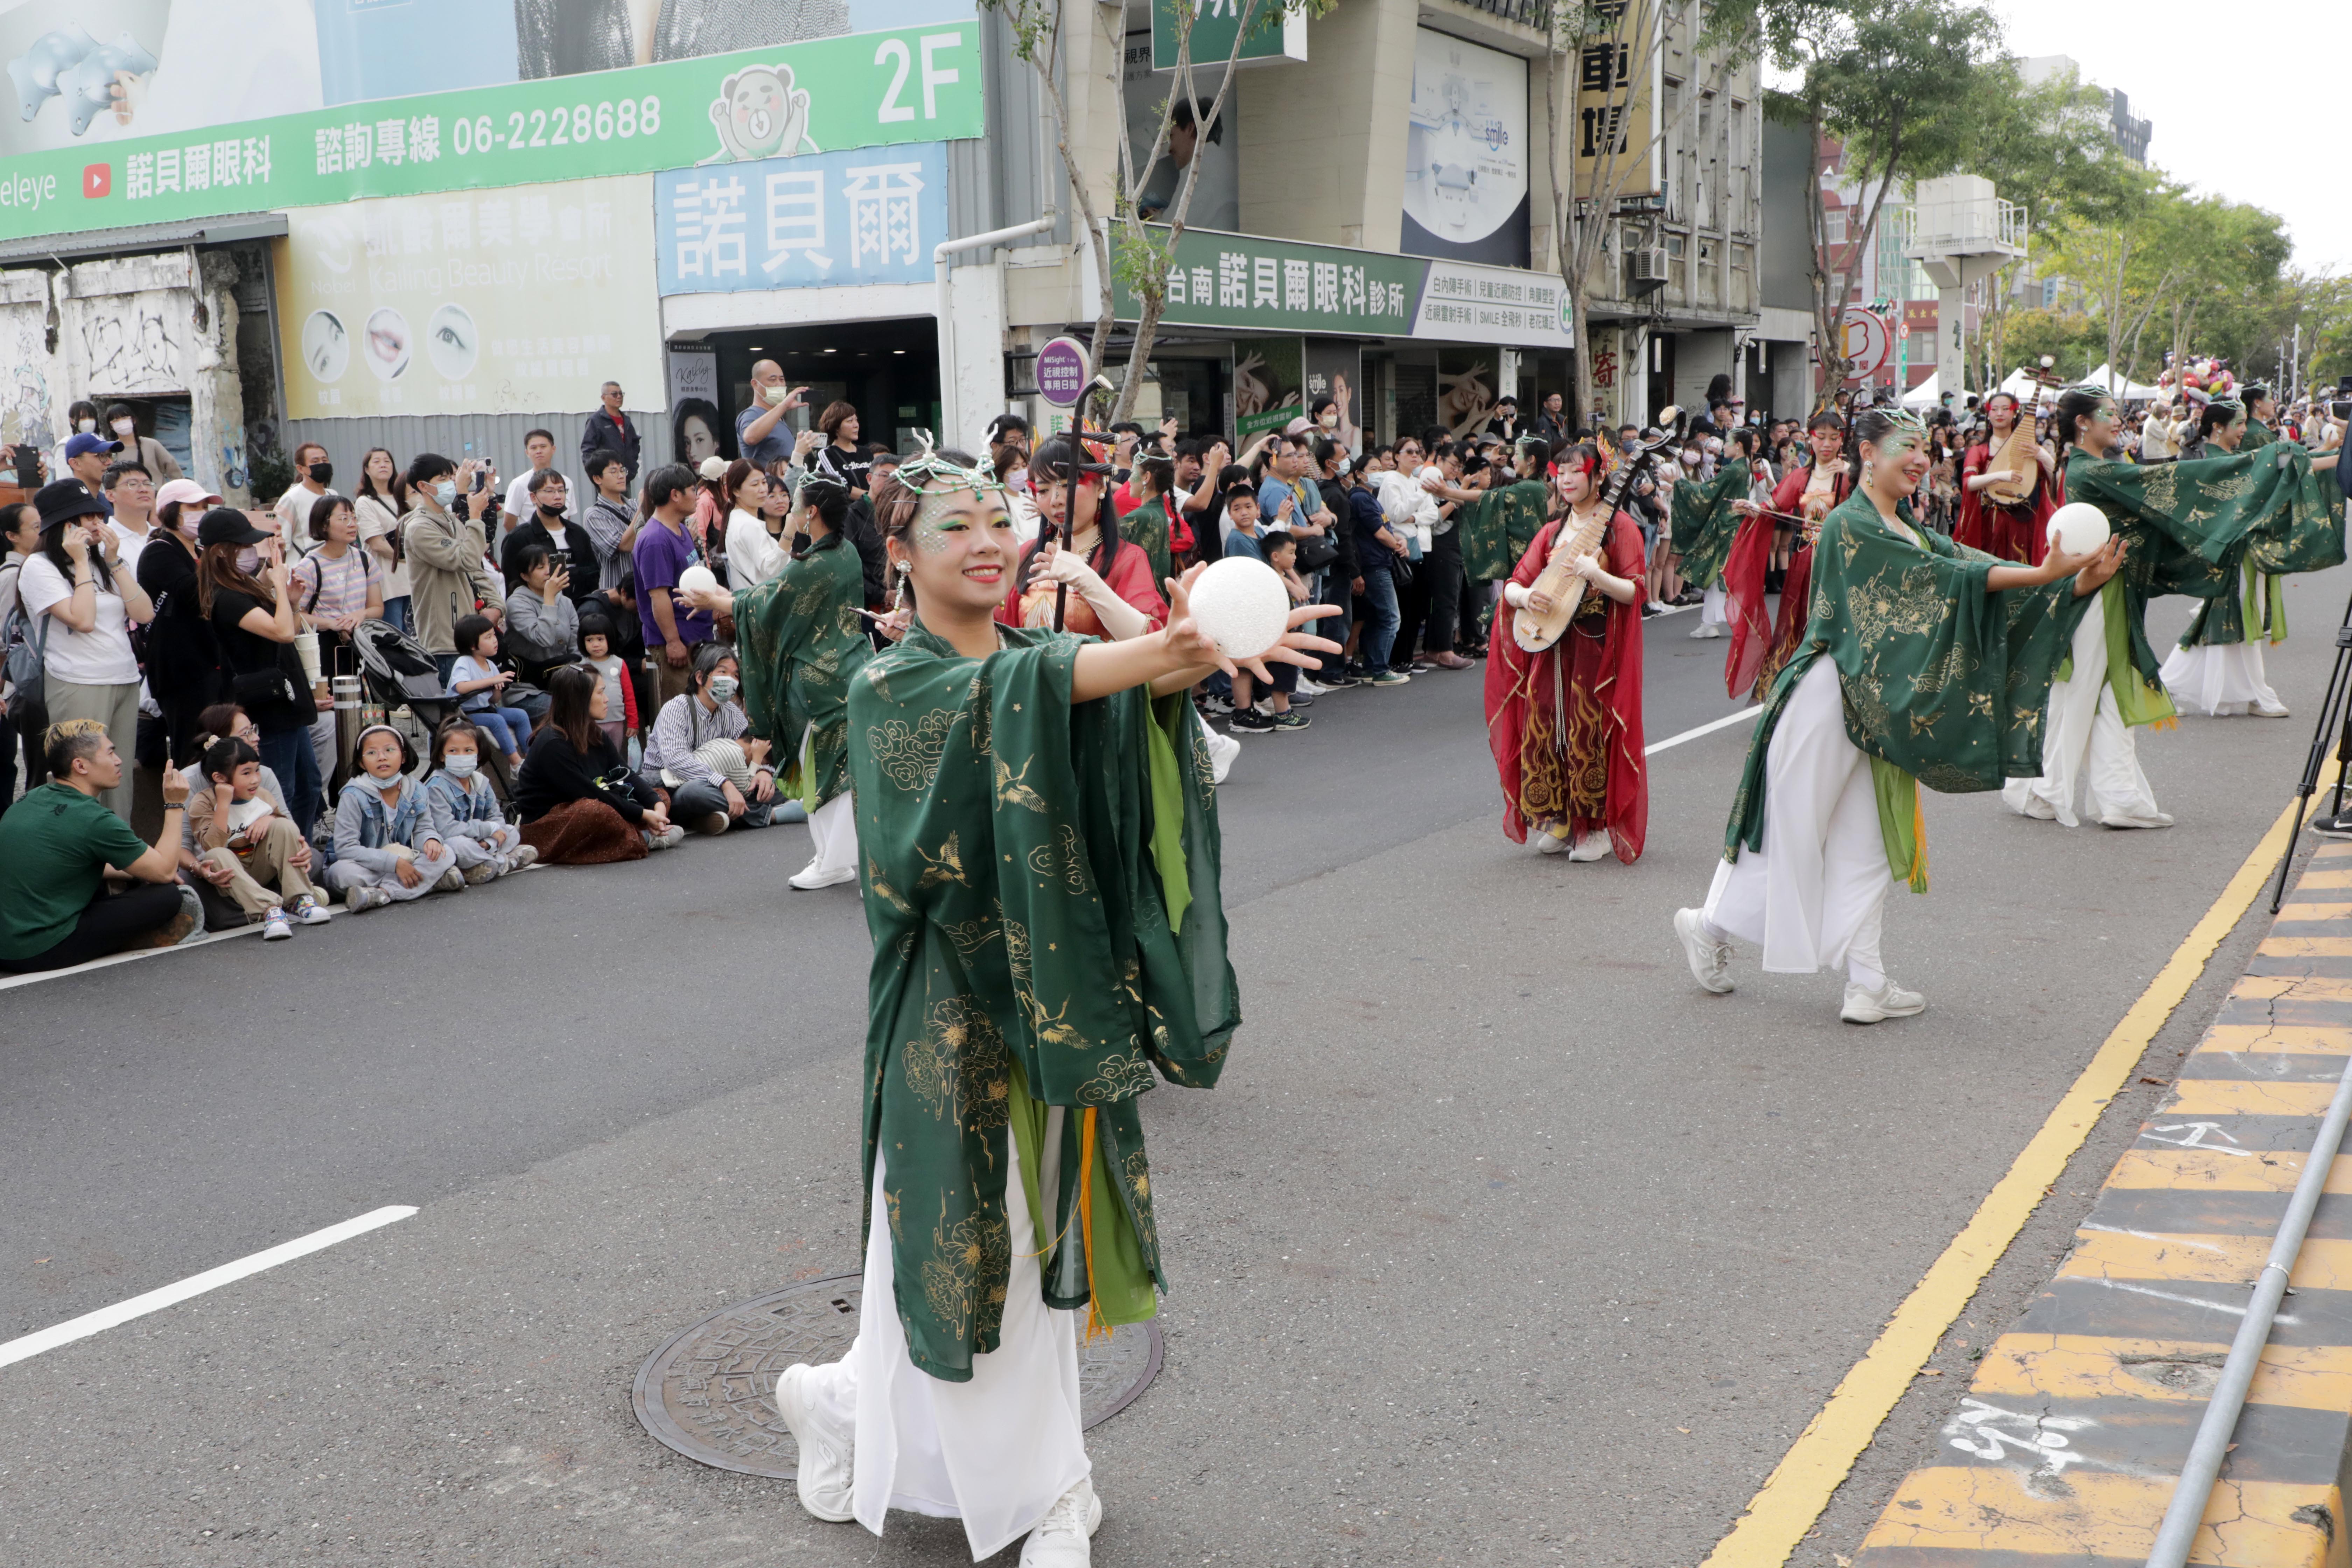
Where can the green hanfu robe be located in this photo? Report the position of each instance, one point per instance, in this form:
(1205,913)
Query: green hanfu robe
(1146,528)
(1703,525)
(803,641)
(1041,881)
(2213,528)
(1944,684)
(1496,528)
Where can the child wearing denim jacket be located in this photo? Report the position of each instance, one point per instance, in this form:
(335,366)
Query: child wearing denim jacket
(464,808)
(386,847)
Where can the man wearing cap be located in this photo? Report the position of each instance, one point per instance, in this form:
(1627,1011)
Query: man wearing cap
(87,457)
(56,845)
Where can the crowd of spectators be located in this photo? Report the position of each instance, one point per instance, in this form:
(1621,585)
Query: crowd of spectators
(581,704)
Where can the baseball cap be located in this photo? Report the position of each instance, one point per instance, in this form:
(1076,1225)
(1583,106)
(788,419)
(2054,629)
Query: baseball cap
(183,492)
(84,443)
(226,525)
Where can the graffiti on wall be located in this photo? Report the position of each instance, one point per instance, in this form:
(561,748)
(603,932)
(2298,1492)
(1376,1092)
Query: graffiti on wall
(24,396)
(132,346)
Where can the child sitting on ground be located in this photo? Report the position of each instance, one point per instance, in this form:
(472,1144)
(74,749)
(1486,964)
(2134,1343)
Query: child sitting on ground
(386,847)
(477,682)
(620,692)
(237,830)
(464,808)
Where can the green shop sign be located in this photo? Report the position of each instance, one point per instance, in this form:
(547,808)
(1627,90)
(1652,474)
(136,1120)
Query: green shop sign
(865,90)
(1249,283)
(1277,31)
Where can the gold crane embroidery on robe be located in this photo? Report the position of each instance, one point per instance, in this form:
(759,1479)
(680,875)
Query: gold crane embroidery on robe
(1011,791)
(947,866)
(977,1246)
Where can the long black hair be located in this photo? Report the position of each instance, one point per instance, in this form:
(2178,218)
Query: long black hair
(2075,405)
(1050,465)
(53,546)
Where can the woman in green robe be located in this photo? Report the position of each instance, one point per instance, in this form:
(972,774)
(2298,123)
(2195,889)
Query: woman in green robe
(1040,846)
(2187,526)
(1923,662)
(802,636)
(2217,670)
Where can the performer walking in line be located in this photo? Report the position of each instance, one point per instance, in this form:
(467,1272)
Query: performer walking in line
(1923,662)
(1706,524)
(2007,484)
(2217,669)
(802,636)
(1762,647)
(1041,876)
(1566,722)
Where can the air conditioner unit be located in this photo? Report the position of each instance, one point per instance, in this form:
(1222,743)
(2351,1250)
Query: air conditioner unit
(1650,265)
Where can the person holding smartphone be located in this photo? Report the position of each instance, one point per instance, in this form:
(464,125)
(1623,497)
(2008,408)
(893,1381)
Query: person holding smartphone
(449,571)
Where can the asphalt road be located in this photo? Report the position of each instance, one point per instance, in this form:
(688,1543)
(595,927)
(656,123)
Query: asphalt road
(1500,1243)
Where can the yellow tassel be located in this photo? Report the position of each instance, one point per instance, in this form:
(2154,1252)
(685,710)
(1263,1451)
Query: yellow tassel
(1918,845)
(2170,722)
(1095,1324)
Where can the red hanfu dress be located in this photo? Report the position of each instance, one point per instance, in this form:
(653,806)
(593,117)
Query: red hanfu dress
(1565,723)
(1760,646)
(2020,532)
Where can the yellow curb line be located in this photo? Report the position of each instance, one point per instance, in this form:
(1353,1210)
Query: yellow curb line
(1793,1496)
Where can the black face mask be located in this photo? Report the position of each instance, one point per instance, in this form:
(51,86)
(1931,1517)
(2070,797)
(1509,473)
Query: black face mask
(550,515)
(321,473)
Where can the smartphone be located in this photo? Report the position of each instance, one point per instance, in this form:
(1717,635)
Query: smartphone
(2341,408)
(28,466)
(563,561)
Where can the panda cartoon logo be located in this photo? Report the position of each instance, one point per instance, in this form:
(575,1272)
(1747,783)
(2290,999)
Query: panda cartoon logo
(760,114)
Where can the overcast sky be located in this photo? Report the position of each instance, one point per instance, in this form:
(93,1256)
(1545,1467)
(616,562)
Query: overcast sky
(2248,98)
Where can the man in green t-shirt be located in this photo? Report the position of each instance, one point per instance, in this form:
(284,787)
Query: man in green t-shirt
(55,846)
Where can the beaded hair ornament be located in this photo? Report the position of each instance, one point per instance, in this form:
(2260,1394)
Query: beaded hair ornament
(928,466)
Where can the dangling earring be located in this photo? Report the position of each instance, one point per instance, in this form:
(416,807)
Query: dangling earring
(906,569)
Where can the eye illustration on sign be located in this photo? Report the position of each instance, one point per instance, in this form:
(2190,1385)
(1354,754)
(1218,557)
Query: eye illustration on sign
(760,114)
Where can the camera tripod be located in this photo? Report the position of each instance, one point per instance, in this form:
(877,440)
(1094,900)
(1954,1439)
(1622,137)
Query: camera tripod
(2335,719)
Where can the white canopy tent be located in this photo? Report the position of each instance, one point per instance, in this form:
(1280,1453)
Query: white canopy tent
(1927,394)
(2121,385)
(2023,387)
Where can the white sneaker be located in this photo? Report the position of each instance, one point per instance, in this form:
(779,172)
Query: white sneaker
(1889,1001)
(2267,710)
(669,838)
(1591,846)
(809,878)
(1060,1540)
(524,855)
(1708,959)
(1550,843)
(824,1478)
(307,911)
(358,898)
(1311,688)
(1706,632)
(1222,750)
(274,926)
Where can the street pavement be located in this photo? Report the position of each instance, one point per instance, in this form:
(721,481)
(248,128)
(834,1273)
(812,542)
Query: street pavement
(1500,1242)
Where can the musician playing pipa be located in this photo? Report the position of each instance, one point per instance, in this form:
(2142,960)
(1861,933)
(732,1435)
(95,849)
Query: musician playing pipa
(1565,721)
(1761,644)
(2008,487)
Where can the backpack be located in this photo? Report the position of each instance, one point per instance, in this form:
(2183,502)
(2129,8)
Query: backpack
(28,666)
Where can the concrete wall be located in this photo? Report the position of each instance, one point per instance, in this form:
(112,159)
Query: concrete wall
(1323,144)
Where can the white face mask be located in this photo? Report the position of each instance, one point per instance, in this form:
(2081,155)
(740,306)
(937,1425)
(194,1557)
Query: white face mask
(86,426)
(445,492)
(461,765)
(123,427)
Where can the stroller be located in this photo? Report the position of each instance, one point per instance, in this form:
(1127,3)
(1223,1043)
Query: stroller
(396,670)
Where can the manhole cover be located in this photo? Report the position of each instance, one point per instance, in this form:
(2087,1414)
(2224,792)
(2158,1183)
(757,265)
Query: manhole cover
(710,1392)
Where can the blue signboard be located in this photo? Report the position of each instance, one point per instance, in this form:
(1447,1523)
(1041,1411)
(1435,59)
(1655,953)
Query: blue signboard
(867,217)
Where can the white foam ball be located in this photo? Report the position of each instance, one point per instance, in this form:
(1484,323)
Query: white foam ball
(1242,605)
(2078,528)
(696,579)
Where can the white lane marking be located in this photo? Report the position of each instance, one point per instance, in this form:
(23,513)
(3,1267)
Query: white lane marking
(1706,729)
(121,1313)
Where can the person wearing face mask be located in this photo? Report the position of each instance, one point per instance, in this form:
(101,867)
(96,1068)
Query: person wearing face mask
(184,663)
(81,419)
(680,751)
(312,472)
(447,577)
(551,526)
(464,807)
